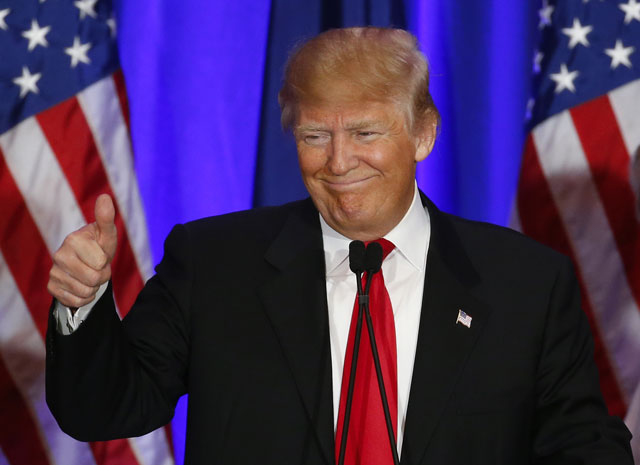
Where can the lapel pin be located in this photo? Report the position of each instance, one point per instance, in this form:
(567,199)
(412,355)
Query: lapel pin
(463,318)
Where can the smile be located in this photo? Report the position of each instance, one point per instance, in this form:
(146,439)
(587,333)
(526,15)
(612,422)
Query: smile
(346,185)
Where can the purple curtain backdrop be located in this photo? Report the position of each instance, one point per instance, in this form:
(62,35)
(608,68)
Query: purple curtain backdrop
(195,72)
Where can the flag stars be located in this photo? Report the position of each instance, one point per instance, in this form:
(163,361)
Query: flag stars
(537,61)
(545,14)
(111,22)
(564,79)
(531,103)
(27,82)
(631,11)
(78,52)
(86,7)
(620,55)
(577,33)
(3,15)
(36,35)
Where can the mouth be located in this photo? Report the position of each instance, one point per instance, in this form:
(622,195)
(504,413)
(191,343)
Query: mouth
(346,184)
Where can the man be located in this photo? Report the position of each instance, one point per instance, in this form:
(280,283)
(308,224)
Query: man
(251,313)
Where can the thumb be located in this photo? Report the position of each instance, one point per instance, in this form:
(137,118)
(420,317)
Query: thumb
(107,234)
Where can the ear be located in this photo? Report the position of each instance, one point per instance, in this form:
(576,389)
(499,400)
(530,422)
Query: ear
(426,138)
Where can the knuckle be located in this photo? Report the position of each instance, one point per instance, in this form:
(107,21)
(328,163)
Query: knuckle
(86,293)
(71,240)
(105,274)
(58,256)
(52,289)
(74,300)
(93,278)
(56,274)
(102,260)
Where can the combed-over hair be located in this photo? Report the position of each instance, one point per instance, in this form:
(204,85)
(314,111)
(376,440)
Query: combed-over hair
(358,64)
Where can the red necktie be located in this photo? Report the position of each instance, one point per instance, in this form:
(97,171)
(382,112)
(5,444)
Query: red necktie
(368,440)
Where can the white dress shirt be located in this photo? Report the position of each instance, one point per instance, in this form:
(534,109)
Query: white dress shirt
(66,321)
(404,274)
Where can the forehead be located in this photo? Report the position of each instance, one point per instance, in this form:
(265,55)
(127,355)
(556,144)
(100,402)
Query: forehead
(348,115)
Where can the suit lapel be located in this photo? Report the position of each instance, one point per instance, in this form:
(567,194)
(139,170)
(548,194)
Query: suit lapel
(296,304)
(443,346)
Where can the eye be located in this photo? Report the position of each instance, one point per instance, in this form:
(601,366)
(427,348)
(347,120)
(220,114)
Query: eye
(367,135)
(316,139)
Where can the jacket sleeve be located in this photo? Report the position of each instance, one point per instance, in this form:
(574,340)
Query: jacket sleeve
(111,379)
(572,423)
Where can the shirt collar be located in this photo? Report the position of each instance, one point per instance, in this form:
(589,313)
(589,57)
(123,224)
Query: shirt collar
(415,224)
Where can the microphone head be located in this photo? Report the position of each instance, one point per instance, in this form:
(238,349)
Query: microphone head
(356,256)
(373,258)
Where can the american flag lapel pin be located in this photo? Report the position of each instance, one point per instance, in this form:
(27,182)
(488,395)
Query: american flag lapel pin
(463,318)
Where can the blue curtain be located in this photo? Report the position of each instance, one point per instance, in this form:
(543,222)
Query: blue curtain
(203,76)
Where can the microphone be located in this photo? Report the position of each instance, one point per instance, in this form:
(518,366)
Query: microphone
(357,256)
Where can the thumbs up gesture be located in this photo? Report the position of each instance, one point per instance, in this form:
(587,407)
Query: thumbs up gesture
(83,261)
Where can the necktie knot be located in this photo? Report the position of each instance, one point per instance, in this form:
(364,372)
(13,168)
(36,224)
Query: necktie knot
(387,246)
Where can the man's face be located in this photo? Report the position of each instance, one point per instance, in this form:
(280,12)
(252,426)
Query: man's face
(358,163)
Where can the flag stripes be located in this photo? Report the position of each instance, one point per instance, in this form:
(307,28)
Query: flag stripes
(17,425)
(22,348)
(154,448)
(104,118)
(42,185)
(624,101)
(608,160)
(25,263)
(116,452)
(539,218)
(565,167)
(52,168)
(80,161)
(121,91)
(583,193)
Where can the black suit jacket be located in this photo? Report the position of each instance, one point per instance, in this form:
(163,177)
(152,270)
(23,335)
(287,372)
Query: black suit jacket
(237,317)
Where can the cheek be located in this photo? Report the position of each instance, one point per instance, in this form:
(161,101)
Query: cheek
(310,166)
(310,160)
(307,166)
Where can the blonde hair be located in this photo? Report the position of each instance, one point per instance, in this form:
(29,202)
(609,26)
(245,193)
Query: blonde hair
(358,64)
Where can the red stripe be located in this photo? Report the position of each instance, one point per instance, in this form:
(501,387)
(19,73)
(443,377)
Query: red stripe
(69,135)
(116,452)
(71,140)
(121,90)
(609,162)
(169,433)
(19,436)
(541,220)
(24,250)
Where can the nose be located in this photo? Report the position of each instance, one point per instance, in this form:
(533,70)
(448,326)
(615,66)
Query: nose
(343,155)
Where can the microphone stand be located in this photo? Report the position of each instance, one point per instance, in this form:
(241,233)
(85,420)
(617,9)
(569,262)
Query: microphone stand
(373,254)
(363,299)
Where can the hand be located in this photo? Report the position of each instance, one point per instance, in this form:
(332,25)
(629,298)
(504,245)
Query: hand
(83,261)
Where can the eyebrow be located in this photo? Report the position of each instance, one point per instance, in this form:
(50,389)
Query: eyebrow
(364,124)
(354,126)
(309,127)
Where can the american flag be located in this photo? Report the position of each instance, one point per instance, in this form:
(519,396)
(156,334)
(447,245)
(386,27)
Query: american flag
(578,188)
(64,139)
(464,319)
